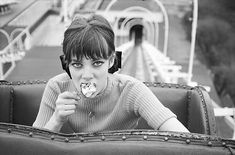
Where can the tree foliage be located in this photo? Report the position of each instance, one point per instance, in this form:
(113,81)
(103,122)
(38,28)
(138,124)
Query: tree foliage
(214,39)
(216,42)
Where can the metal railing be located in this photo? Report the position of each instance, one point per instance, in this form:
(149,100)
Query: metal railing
(166,69)
(14,51)
(227,113)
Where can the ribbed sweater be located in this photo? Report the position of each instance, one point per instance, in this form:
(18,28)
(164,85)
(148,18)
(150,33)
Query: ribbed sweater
(119,107)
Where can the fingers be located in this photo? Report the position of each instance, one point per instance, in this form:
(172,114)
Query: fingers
(62,114)
(66,102)
(69,95)
(67,113)
(66,105)
(68,98)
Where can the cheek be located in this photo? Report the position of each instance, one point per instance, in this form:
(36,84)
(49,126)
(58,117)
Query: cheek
(74,73)
(76,77)
(101,78)
(100,75)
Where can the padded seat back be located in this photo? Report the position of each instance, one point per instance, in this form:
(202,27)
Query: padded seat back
(192,105)
(27,140)
(20,103)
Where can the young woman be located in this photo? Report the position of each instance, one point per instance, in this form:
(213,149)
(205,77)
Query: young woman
(115,101)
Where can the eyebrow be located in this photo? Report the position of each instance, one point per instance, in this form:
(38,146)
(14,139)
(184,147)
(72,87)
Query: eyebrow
(76,60)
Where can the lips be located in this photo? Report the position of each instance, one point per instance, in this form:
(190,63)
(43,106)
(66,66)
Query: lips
(88,89)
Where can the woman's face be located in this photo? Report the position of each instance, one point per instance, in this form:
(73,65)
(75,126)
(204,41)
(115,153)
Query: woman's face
(88,70)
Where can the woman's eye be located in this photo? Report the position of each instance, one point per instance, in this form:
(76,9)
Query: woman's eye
(77,65)
(98,63)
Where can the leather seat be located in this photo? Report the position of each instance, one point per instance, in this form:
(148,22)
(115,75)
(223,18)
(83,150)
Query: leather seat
(19,139)
(20,102)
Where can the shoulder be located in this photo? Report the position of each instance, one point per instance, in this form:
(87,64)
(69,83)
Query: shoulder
(60,81)
(63,77)
(126,81)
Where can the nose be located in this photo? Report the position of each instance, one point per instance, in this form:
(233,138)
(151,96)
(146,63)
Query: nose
(87,74)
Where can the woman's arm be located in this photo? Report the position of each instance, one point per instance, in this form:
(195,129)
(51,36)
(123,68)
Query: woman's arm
(53,124)
(65,106)
(173,124)
(47,107)
(153,111)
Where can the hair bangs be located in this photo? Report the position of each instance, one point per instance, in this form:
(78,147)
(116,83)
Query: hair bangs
(92,46)
(91,39)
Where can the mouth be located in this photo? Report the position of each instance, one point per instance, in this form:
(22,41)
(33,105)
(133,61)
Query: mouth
(88,89)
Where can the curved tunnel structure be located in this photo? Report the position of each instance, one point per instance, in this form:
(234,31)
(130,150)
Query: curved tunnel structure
(138,40)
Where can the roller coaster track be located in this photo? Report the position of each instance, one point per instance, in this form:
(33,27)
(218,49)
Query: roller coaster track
(146,63)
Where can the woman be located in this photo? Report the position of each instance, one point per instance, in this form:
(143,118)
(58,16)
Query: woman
(117,101)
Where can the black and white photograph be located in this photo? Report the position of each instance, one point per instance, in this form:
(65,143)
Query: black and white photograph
(117,77)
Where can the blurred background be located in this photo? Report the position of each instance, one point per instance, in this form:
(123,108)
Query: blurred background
(188,42)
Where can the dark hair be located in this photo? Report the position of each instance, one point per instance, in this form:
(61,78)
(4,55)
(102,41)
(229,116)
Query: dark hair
(91,37)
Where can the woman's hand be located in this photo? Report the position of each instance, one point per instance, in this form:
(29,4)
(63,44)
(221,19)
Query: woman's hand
(65,106)
(173,124)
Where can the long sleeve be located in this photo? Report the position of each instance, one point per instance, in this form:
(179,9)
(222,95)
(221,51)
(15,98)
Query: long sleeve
(147,105)
(47,105)
(118,107)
